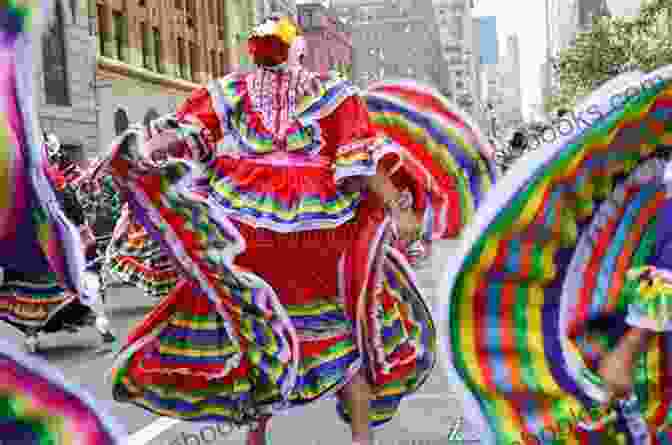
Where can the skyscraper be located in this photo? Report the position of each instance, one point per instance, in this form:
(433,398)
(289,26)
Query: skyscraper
(511,83)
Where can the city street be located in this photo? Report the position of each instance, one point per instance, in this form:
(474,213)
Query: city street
(431,417)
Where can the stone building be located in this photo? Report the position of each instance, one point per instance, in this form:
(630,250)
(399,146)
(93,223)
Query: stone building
(66,73)
(152,53)
(267,7)
(394,38)
(328,39)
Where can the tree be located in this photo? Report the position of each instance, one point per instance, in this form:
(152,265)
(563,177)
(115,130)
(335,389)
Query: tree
(613,45)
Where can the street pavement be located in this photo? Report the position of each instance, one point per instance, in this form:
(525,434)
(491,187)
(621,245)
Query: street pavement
(433,416)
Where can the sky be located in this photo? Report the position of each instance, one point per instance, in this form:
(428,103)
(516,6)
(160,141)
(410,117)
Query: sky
(526,18)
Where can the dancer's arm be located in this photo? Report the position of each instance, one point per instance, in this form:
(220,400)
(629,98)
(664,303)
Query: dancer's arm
(362,156)
(381,185)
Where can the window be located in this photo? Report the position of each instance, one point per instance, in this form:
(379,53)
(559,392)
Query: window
(142,3)
(222,65)
(213,11)
(195,62)
(158,50)
(146,56)
(150,116)
(54,60)
(119,34)
(102,29)
(213,63)
(120,121)
(178,4)
(191,13)
(181,58)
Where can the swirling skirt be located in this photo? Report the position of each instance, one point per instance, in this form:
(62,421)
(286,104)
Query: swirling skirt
(347,303)
(135,258)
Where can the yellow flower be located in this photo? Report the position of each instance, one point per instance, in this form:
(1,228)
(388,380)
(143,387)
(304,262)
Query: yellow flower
(283,29)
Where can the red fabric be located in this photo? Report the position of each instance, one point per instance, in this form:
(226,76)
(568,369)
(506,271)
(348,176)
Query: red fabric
(268,50)
(200,109)
(315,253)
(56,176)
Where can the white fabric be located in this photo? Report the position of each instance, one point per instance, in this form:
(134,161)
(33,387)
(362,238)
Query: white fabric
(297,50)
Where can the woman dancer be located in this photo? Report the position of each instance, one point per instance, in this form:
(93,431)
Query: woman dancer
(559,299)
(301,295)
(131,256)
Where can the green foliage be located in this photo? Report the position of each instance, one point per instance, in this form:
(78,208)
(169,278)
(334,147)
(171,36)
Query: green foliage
(613,45)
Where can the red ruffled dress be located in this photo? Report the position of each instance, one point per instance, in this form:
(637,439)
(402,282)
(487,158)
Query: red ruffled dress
(294,285)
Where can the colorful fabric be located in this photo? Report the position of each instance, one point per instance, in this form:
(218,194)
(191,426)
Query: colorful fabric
(29,303)
(651,305)
(307,195)
(101,203)
(135,258)
(32,221)
(448,163)
(248,334)
(538,292)
(39,406)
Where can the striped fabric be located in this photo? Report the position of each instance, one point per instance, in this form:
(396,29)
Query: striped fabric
(38,406)
(32,221)
(539,289)
(135,258)
(225,346)
(446,154)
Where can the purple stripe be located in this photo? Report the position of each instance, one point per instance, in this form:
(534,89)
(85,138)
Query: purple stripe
(551,326)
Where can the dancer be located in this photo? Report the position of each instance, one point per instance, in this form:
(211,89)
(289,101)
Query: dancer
(42,272)
(559,300)
(292,291)
(131,256)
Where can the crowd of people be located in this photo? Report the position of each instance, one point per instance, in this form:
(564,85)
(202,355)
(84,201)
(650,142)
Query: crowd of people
(195,208)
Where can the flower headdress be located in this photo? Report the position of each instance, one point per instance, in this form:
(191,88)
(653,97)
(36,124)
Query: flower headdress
(269,42)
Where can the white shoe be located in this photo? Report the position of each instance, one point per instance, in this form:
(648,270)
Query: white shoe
(32,344)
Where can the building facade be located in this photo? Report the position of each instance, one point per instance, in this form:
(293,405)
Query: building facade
(455,24)
(626,8)
(264,8)
(393,39)
(328,39)
(564,20)
(512,104)
(151,54)
(65,74)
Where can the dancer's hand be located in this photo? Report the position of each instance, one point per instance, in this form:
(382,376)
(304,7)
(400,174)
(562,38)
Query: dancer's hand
(409,225)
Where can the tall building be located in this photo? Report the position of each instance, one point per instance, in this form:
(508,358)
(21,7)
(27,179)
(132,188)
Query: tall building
(151,54)
(66,74)
(565,19)
(627,8)
(328,39)
(264,8)
(456,35)
(394,38)
(511,90)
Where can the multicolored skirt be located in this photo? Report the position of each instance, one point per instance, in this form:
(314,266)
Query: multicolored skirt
(135,258)
(342,302)
(29,304)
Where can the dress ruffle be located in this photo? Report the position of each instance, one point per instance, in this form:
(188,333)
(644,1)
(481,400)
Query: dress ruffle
(30,304)
(282,198)
(135,258)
